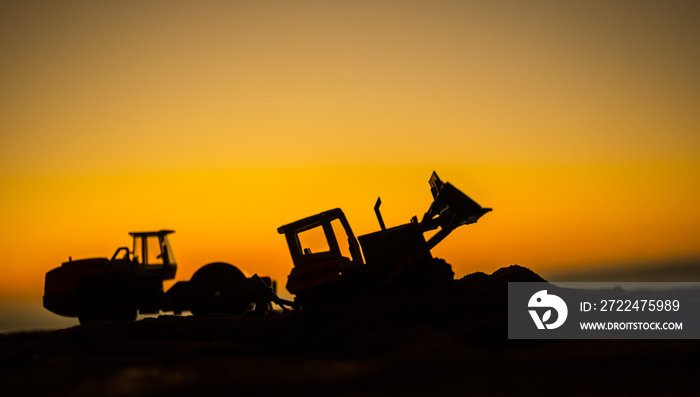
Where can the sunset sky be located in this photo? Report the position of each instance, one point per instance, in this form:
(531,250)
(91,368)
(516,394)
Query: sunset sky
(577,122)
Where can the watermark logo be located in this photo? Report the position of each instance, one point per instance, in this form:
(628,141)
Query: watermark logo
(543,300)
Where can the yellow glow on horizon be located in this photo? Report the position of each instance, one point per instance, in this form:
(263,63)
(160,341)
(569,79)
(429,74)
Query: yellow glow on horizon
(576,122)
(544,216)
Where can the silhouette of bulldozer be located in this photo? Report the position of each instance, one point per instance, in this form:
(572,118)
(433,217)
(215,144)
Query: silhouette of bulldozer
(394,258)
(338,266)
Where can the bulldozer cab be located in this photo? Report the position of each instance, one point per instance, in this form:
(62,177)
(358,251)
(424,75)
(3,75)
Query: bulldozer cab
(152,254)
(322,247)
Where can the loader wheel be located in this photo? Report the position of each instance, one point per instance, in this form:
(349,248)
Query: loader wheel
(428,273)
(220,288)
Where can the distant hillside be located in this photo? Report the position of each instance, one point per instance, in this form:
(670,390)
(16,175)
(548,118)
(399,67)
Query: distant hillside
(687,269)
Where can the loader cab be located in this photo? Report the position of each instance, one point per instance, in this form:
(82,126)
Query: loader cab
(322,247)
(152,254)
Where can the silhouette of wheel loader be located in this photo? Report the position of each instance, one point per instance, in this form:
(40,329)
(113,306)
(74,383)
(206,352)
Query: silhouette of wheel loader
(328,259)
(131,282)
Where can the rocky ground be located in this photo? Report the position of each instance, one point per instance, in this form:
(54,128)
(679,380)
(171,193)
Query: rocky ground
(450,340)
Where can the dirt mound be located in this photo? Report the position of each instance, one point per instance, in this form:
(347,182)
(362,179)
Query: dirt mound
(517,273)
(513,273)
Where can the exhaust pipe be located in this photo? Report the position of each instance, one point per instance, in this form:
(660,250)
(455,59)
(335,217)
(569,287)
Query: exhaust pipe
(379,214)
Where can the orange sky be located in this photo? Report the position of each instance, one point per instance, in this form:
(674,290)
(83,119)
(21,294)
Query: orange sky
(577,122)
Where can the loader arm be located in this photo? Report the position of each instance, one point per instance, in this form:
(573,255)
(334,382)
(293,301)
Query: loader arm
(450,209)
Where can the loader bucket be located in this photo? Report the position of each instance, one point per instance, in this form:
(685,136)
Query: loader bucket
(450,209)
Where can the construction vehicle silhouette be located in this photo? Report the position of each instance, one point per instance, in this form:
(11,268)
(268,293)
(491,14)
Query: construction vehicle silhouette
(394,258)
(344,267)
(132,281)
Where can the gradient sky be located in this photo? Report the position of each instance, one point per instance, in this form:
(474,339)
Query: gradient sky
(578,122)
